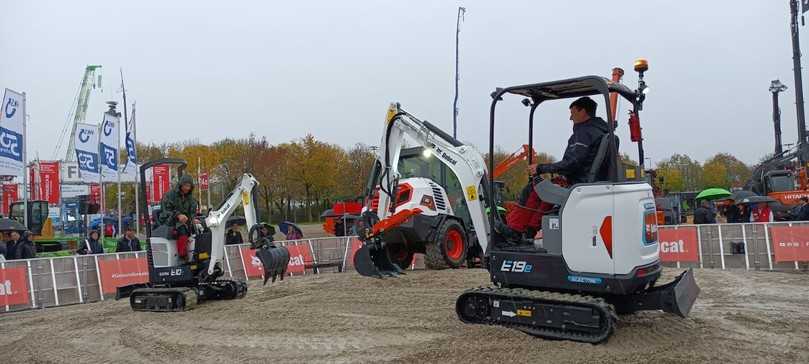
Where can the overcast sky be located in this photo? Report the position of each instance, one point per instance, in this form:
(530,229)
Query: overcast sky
(206,70)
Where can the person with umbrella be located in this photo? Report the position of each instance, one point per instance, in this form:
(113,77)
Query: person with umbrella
(17,245)
(704,214)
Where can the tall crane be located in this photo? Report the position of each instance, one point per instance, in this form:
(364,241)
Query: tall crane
(88,83)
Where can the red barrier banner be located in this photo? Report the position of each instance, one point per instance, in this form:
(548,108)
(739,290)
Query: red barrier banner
(9,196)
(252,264)
(790,243)
(14,286)
(678,245)
(49,182)
(160,182)
(299,256)
(122,272)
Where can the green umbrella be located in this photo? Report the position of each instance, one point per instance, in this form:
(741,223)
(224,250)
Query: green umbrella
(499,209)
(713,194)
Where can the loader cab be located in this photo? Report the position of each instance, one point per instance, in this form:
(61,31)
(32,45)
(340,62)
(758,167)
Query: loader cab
(602,234)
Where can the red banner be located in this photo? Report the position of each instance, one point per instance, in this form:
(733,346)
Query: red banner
(678,245)
(790,243)
(203,181)
(14,286)
(160,182)
(95,193)
(122,272)
(299,256)
(252,264)
(33,186)
(9,196)
(49,182)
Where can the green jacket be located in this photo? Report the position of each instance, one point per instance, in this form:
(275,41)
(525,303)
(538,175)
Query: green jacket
(175,203)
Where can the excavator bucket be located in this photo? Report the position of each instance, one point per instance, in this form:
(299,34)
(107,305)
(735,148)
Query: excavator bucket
(274,260)
(372,261)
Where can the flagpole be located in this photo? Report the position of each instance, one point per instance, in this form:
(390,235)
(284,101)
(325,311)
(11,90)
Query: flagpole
(102,197)
(24,161)
(199,178)
(137,172)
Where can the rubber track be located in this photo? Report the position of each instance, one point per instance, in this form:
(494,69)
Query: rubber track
(606,309)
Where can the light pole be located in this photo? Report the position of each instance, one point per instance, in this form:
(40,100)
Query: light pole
(777,87)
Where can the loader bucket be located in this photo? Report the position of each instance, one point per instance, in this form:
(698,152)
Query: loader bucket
(274,260)
(372,261)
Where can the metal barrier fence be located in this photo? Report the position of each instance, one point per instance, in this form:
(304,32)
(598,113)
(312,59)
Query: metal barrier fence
(59,281)
(747,246)
(47,282)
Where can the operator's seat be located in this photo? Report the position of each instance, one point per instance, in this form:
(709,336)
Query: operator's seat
(602,163)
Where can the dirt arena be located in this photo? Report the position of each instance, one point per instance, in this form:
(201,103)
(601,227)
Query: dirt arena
(739,317)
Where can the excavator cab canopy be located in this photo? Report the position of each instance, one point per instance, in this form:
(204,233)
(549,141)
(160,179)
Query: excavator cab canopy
(537,93)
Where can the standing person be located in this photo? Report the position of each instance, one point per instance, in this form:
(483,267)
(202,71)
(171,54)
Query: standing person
(91,245)
(704,214)
(129,242)
(733,213)
(19,247)
(178,208)
(233,235)
(761,213)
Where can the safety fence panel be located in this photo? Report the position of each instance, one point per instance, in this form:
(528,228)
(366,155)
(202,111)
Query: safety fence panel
(757,246)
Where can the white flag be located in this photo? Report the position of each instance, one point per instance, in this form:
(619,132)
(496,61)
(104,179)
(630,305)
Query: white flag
(12,114)
(108,148)
(87,152)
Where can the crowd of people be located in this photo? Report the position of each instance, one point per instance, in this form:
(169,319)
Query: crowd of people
(707,212)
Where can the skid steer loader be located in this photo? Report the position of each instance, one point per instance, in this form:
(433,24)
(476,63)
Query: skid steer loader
(599,253)
(177,284)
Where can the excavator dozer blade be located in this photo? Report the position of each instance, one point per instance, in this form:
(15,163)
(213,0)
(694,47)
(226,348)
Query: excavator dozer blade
(126,291)
(371,261)
(274,260)
(677,297)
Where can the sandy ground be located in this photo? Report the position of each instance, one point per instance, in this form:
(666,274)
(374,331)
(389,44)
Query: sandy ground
(739,317)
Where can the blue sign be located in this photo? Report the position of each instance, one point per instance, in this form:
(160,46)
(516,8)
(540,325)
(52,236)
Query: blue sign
(87,161)
(110,156)
(587,280)
(10,144)
(130,148)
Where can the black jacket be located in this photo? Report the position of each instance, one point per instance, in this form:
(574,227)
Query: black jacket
(803,213)
(581,150)
(126,245)
(20,249)
(95,247)
(233,237)
(733,214)
(704,216)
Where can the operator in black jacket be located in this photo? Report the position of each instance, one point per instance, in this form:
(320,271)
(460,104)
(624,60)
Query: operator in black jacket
(588,129)
(582,148)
